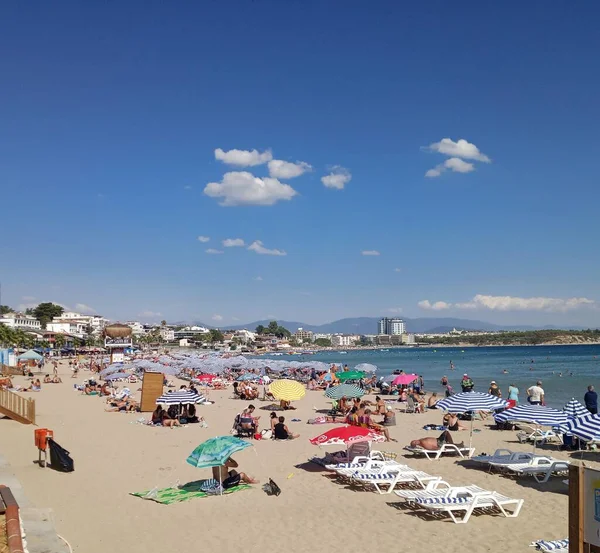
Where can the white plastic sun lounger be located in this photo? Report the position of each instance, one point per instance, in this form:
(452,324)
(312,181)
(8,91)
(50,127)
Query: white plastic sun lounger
(537,435)
(455,503)
(464,452)
(541,473)
(439,488)
(538,460)
(358,462)
(373,467)
(558,546)
(391,479)
(505,456)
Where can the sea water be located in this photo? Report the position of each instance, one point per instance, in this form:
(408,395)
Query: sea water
(565,371)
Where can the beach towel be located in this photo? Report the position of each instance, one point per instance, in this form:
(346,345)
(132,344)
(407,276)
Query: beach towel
(167,496)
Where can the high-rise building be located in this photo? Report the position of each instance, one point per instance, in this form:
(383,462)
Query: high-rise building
(391,327)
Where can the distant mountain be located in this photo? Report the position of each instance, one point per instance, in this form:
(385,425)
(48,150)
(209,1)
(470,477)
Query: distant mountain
(368,325)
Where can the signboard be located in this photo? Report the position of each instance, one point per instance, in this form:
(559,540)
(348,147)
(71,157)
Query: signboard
(117,357)
(117,342)
(591,506)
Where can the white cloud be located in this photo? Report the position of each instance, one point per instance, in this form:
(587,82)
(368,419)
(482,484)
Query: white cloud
(243,158)
(370,252)
(513,303)
(437,306)
(83,308)
(149,314)
(337,178)
(243,188)
(454,164)
(258,247)
(397,270)
(280,169)
(462,149)
(203,239)
(396,310)
(212,251)
(233,243)
(258,279)
(217,317)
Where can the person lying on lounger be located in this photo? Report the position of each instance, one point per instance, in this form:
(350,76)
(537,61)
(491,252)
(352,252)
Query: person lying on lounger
(433,444)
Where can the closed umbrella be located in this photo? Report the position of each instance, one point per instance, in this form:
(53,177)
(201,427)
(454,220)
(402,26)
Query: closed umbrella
(344,390)
(287,390)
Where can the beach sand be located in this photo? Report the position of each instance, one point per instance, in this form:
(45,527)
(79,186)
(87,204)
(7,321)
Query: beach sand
(115,456)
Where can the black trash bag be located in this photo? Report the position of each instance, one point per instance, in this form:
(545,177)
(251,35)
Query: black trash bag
(271,488)
(60,459)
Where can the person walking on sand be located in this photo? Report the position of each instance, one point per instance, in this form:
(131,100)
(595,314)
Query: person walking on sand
(229,477)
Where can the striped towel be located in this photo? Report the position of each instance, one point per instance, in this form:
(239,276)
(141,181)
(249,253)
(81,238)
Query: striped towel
(556,545)
(442,500)
(347,465)
(211,486)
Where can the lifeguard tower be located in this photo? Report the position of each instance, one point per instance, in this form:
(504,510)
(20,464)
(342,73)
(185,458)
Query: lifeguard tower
(117,338)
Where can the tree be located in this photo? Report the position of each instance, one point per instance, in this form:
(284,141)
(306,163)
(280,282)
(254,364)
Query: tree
(216,335)
(4,309)
(45,312)
(163,323)
(323,342)
(273,327)
(260,329)
(29,311)
(282,332)
(59,340)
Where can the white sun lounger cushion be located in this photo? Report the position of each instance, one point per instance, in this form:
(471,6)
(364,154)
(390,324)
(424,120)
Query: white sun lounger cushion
(442,500)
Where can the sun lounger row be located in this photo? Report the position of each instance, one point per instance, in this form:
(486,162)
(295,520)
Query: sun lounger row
(452,449)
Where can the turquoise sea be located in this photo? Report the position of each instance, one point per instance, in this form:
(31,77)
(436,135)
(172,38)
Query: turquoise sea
(579,366)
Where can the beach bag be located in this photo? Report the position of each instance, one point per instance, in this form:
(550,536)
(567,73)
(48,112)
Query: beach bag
(60,459)
(271,488)
(266,434)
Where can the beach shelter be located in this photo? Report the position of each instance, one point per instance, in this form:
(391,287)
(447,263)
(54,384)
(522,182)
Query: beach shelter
(404,379)
(470,402)
(214,452)
(344,390)
(287,390)
(347,435)
(30,356)
(350,375)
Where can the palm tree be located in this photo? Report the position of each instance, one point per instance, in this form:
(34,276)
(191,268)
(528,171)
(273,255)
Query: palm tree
(59,341)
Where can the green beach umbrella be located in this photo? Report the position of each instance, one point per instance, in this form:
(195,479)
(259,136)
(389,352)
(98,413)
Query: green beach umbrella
(350,375)
(215,451)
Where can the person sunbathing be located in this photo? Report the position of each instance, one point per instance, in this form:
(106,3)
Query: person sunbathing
(352,417)
(432,401)
(123,405)
(366,422)
(451,421)
(105,390)
(36,386)
(379,406)
(282,432)
(433,444)
(56,379)
(247,419)
(47,379)
(231,478)
(161,418)
(273,419)
(286,405)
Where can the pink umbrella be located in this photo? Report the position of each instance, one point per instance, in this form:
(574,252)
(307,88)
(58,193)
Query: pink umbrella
(205,377)
(404,379)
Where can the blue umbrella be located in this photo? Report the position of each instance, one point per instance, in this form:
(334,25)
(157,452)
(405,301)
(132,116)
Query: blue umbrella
(537,414)
(586,427)
(117,376)
(185,397)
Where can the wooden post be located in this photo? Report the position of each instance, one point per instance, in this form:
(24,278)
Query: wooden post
(576,510)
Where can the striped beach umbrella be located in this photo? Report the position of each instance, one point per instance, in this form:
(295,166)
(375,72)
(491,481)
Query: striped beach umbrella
(471,401)
(586,427)
(184,397)
(214,452)
(537,414)
(344,390)
(287,390)
(574,409)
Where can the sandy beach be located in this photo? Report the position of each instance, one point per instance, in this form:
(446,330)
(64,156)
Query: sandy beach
(115,456)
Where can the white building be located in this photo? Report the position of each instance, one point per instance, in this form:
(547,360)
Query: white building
(73,327)
(302,335)
(191,332)
(245,336)
(18,320)
(137,328)
(344,340)
(391,326)
(95,323)
(322,336)
(167,334)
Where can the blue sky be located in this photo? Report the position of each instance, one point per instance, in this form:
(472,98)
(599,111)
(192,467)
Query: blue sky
(110,116)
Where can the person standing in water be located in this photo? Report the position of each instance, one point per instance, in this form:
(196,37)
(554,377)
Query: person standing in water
(451,365)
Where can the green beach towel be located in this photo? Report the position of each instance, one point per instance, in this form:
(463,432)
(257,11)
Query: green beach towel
(167,496)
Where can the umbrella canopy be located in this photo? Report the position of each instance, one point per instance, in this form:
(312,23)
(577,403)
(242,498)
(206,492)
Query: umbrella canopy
(30,356)
(586,427)
(205,377)
(471,401)
(117,376)
(344,390)
(403,379)
(573,409)
(184,397)
(366,367)
(287,390)
(350,375)
(346,435)
(537,414)
(248,376)
(215,451)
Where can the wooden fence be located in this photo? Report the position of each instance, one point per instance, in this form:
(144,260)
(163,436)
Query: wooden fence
(17,407)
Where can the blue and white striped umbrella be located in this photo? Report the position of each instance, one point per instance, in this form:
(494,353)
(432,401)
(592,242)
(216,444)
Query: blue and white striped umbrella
(537,414)
(587,427)
(574,409)
(471,401)
(117,376)
(184,397)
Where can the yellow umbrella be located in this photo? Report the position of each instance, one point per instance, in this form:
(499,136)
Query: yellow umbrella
(287,390)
